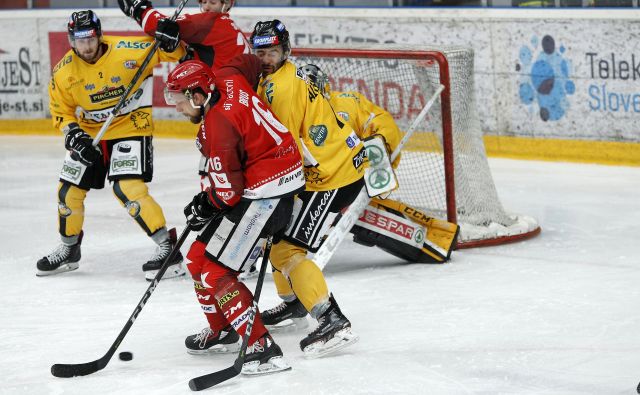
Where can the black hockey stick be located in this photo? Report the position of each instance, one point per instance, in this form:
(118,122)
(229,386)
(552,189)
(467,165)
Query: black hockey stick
(83,369)
(211,379)
(136,77)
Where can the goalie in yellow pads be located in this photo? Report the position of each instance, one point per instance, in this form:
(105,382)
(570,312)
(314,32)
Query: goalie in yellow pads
(391,225)
(85,86)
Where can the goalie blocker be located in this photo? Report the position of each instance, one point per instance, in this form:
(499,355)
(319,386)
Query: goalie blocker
(405,232)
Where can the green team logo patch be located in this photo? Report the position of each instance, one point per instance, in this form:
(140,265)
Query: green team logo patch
(379,178)
(318,134)
(418,236)
(375,155)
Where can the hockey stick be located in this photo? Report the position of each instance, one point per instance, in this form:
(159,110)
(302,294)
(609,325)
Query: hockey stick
(136,77)
(83,369)
(351,215)
(211,379)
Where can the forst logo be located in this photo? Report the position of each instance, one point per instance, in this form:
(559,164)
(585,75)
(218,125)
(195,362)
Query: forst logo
(544,81)
(125,163)
(72,171)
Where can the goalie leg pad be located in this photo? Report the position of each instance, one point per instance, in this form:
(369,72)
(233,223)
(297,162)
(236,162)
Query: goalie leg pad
(133,195)
(441,235)
(400,235)
(70,209)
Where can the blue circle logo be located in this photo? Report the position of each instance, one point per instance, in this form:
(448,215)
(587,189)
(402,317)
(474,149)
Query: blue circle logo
(545,82)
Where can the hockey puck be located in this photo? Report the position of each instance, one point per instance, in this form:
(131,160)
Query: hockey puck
(125,356)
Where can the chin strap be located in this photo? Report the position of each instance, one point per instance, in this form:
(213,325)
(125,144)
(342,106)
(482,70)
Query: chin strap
(203,104)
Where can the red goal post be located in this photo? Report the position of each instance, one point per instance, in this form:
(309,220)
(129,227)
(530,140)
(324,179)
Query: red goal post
(444,169)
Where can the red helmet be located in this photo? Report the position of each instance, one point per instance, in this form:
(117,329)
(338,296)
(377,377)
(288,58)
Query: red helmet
(185,78)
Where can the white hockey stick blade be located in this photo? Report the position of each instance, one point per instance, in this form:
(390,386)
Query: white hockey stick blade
(351,215)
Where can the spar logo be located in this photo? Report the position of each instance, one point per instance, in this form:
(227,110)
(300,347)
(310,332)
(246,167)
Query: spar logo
(545,78)
(390,225)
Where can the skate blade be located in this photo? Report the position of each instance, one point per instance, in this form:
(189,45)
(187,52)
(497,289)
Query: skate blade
(340,340)
(217,349)
(273,365)
(65,267)
(289,325)
(173,271)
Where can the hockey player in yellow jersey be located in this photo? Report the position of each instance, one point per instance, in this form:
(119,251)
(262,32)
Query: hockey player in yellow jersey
(85,86)
(334,160)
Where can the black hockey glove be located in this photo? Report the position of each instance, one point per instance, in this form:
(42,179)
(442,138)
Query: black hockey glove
(134,8)
(81,145)
(168,34)
(199,211)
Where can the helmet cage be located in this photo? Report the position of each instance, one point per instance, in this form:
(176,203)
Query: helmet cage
(317,77)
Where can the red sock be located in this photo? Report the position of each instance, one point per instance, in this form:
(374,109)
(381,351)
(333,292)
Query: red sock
(208,304)
(236,301)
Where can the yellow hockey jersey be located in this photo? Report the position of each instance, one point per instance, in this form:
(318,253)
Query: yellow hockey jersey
(86,93)
(366,118)
(333,154)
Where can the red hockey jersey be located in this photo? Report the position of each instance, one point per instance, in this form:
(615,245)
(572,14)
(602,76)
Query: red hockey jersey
(249,153)
(213,35)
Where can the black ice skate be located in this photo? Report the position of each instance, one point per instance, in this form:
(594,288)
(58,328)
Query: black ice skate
(64,258)
(249,274)
(286,316)
(208,341)
(264,356)
(163,250)
(333,333)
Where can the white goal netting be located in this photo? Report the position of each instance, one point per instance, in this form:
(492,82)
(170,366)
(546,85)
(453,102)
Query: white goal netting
(444,169)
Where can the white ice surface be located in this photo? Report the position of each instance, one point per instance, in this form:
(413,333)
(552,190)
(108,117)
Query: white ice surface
(558,314)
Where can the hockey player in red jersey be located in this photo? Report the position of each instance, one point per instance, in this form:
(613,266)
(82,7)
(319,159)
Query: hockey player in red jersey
(253,170)
(212,35)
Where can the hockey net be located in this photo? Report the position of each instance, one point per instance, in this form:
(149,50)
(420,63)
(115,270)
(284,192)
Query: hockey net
(444,169)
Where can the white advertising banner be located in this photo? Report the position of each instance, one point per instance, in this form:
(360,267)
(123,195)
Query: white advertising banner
(23,77)
(554,74)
